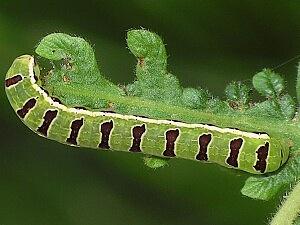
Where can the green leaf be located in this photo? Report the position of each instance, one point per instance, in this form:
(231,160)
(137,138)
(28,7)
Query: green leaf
(155,162)
(238,95)
(76,56)
(266,108)
(148,47)
(287,106)
(260,188)
(195,98)
(268,83)
(297,221)
(75,66)
(282,108)
(153,80)
(215,105)
(298,84)
(266,187)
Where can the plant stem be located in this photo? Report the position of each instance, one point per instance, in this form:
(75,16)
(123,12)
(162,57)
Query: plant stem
(289,210)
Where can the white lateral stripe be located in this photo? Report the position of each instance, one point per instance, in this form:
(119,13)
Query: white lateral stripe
(141,119)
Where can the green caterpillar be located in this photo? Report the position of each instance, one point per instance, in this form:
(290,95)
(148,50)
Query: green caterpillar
(255,153)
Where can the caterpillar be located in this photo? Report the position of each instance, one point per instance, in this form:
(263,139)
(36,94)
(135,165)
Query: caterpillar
(256,153)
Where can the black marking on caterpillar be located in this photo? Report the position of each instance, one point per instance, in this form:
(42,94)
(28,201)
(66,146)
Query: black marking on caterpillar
(49,116)
(75,128)
(13,80)
(262,155)
(35,76)
(26,108)
(55,99)
(281,156)
(105,129)
(107,111)
(177,121)
(208,124)
(254,132)
(204,141)
(258,132)
(45,90)
(171,136)
(137,133)
(235,146)
(79,107)
(141,116)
